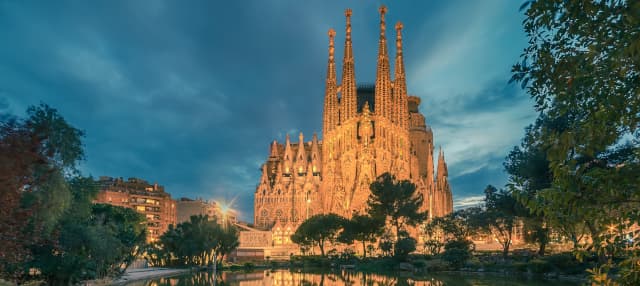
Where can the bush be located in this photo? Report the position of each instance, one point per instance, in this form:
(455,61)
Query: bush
(432,247)
(457,252)
(566,263)
(404,246)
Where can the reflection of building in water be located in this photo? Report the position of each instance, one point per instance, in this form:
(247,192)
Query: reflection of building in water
(286,278)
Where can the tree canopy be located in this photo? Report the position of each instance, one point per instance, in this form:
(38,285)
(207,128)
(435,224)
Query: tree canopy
(47,220)
(199,241)
(363,228)
(319,229)
(396,201)
(582,68)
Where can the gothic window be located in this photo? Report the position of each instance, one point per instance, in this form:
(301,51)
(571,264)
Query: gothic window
(278,213)
(264,192)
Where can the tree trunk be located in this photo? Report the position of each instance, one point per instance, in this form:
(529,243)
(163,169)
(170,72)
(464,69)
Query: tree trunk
(602,258)
(321,245)
(505,248)
(543,247)
(364,249)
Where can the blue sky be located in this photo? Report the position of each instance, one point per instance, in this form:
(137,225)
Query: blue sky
(190,93)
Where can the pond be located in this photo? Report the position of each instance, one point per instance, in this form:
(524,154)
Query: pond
(339,278)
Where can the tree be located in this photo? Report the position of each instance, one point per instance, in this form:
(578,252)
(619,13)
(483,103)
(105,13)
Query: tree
(404,246)
(37,155)
(457,252)
(47,220)
(319,229)
(93,246)
(395,201)
(501,210)
(361,228)
(529,173)
(460,224)
(582,68)
(199,241)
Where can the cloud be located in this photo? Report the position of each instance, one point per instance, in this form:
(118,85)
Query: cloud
(192,95)
(467,202)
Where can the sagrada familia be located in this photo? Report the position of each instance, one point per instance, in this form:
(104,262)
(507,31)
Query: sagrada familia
(367,130)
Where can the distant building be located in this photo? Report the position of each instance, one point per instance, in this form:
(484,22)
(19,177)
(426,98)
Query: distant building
(185,208)
(148,199)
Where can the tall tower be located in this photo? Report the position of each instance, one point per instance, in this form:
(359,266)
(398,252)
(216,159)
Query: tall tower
(383,81)
(348,85)
(400,84)
(331,108)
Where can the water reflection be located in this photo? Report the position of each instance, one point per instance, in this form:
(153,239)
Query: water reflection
(343,278)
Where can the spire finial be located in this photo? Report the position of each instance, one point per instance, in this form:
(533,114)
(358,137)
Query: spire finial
(399,36)
(347,13)
(332,35)
(383,10)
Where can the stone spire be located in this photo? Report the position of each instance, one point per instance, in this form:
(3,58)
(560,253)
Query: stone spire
(315,154)
(348,85)
(330,116)
(288,156)
(400,84)
(442,166)
(274,149)
(301,157)
(265,183)
(383,81)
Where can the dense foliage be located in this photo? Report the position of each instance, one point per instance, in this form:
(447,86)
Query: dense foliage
(500,216)
(582,68)
(47,221)
(318,230)
(200,241)
(391,201)
(396,202)
(362,228)
(457,252)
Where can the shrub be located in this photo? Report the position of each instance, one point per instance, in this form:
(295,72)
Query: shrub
(432,246)
(457,252)
(404,246)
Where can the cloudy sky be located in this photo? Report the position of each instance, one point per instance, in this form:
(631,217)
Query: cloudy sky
(190,93)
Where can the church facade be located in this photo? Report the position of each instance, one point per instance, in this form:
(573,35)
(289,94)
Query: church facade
(367,130)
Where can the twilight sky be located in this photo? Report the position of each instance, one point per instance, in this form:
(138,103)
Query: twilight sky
(190,93)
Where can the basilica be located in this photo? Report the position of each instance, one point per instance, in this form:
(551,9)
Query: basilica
(367,130)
